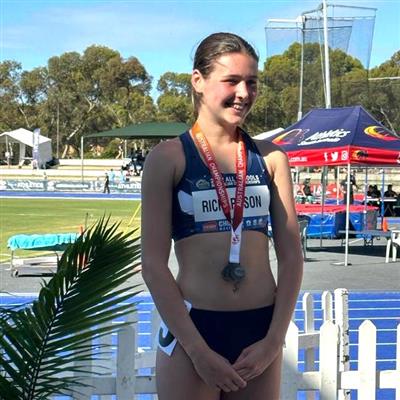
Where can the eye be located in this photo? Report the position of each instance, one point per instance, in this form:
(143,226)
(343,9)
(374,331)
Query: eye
(253,83)
(231,81)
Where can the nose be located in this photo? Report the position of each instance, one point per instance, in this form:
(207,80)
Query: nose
(242,90)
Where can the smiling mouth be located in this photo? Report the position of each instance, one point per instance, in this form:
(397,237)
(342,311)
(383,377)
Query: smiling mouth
(238,107)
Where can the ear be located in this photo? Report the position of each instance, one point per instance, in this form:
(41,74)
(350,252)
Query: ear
(197,81)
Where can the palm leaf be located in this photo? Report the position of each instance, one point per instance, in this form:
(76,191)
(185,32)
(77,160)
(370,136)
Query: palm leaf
(74,308)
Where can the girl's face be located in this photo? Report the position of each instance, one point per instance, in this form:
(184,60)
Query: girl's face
(230,90)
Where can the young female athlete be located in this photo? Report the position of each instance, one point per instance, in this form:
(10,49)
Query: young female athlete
(212,190)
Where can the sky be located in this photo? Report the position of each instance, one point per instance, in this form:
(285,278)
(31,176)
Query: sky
(162,34)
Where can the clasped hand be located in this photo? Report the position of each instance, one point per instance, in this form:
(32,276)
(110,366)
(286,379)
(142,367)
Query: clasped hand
(217,372)
(255,359)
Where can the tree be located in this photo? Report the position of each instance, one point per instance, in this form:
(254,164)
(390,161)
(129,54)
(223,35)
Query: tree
(385,93)
(175,102)
(12,112)
(96,91)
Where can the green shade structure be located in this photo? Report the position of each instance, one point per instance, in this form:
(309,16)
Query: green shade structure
(145,130)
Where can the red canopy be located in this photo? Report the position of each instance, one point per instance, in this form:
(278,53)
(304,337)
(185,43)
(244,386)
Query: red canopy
(339,136)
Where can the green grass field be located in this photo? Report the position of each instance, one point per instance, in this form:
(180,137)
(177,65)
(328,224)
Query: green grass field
(40,216)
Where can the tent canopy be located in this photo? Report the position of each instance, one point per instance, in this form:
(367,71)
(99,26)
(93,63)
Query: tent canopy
(24,138)
(268,134)
(339,136)
(145,130)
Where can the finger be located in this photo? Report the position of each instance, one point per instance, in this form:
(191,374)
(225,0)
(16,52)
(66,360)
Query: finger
(243,372)
(239,381)
(240,364)
(224,388)
(241,357)
(233,386)
(248,376)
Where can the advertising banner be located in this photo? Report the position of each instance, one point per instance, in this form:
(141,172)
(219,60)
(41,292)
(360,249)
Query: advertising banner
(45,185)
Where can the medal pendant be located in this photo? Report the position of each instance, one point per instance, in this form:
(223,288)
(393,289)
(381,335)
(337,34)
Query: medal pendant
(234,273)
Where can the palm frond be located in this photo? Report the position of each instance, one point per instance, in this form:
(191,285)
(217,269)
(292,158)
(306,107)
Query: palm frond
(73,308)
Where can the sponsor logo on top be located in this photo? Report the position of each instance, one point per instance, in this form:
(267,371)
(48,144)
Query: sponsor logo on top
(296,136)
(379,132)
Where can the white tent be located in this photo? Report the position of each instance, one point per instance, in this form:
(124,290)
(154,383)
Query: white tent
(25,138)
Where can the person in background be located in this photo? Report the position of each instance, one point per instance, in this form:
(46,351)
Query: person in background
(224,315)
(376,193)
(112,176)
(370,191)
(306,191)
(389,205)
(390,192)
(353,184)
(106,188)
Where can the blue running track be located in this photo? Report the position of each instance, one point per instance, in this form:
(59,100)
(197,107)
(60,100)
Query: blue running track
(382,308)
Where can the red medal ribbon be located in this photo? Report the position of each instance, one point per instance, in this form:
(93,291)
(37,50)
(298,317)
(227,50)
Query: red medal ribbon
(241,172)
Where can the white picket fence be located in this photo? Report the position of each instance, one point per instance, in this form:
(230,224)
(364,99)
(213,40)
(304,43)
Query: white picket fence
(333,379)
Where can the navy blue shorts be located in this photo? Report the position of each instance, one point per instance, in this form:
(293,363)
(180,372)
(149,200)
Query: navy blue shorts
(229,332)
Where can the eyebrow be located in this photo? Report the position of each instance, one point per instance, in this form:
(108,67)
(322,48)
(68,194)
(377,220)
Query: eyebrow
(238,76)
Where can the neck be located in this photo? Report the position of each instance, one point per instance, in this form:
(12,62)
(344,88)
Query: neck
(217,133)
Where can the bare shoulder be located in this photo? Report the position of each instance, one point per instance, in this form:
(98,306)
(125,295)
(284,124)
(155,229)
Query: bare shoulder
(165,158)
(165,152)
(273,155)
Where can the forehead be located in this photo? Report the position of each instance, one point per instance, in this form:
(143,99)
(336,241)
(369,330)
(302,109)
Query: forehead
(235,64)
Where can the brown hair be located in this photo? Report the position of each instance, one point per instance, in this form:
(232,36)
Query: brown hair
(214,46)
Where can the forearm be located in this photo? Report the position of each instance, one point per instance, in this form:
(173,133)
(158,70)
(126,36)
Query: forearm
(288,286)
(170,304)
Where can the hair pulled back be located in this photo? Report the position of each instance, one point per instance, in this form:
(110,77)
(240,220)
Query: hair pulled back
(213,47)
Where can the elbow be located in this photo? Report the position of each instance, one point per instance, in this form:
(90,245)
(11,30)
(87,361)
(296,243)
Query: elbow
(293,258)
(151,271)
(292,263)
(147,272)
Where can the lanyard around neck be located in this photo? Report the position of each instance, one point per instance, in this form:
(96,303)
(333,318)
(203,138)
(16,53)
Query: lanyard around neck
(241,168)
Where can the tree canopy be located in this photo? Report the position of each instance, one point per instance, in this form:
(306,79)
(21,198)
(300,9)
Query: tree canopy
(77,94)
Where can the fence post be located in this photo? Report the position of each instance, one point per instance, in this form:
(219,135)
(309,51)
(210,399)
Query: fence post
(309,327)
(328,361)
(290,362)
(326,305)
(83,392)
(367,360)
(106,342)
(126,374)
(342,321)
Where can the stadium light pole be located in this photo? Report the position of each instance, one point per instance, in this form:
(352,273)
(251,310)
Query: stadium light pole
(326,52)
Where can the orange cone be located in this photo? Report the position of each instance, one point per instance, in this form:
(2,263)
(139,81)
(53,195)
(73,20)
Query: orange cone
(385,227)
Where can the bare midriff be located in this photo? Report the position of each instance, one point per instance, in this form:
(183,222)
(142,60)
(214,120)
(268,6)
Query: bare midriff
(202,257)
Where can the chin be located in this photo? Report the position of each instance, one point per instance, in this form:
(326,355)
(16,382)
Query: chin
(237,120)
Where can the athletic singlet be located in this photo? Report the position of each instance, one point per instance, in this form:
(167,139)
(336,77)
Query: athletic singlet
(195,207)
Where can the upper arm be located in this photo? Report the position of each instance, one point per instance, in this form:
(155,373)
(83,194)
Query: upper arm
(157,188)
(284,221)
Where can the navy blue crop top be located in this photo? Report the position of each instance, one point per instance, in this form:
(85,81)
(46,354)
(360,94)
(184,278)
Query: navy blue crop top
(196,208)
